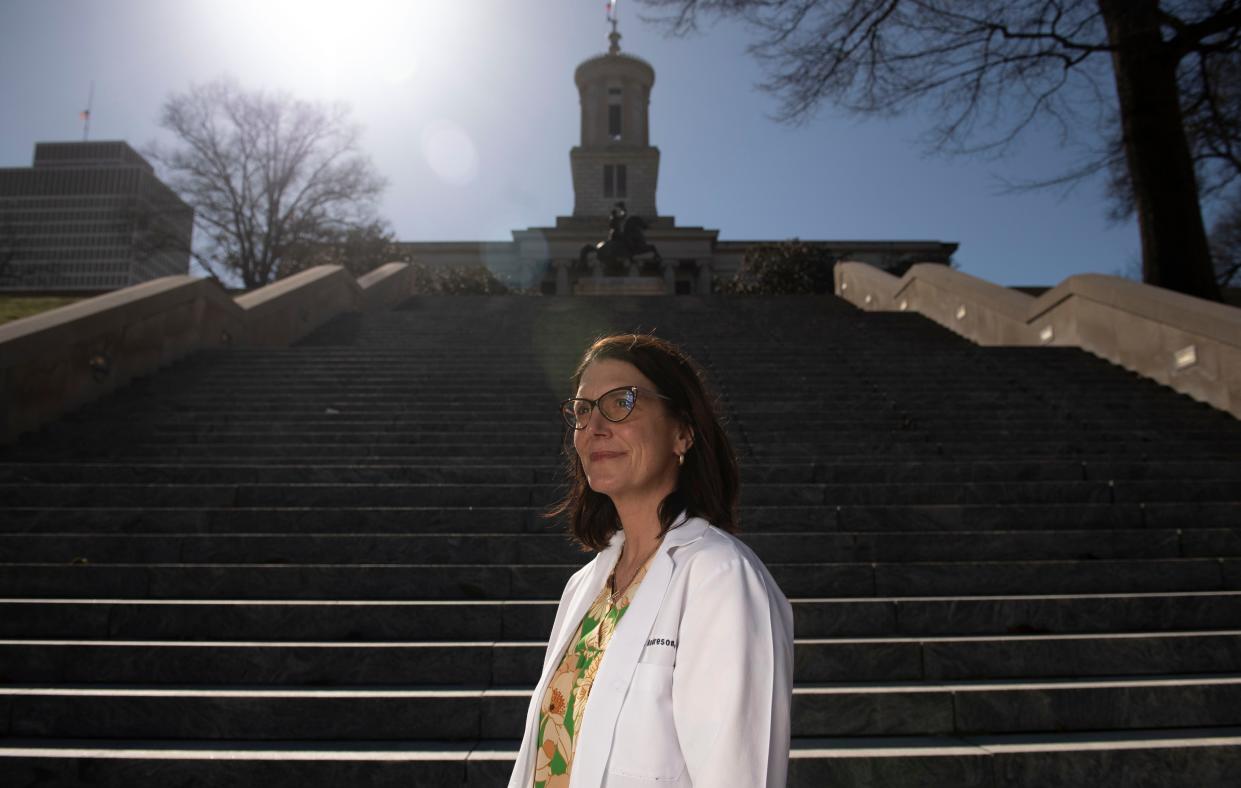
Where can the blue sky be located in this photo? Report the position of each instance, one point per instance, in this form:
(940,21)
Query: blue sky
(469,110)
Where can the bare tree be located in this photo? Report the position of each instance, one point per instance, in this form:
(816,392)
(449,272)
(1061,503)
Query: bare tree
(1211,96)
(1226,246)
(266,174)
(989,69)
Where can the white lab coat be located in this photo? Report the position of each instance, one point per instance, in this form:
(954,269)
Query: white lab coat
(695,685)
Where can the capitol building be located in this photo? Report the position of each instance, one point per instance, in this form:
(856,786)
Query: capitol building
(616,162)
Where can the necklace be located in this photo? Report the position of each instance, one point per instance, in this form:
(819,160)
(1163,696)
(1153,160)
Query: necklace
(612,579)
(603,631)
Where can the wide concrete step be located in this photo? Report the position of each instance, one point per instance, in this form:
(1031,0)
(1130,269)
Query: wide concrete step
(1015,706)
(416,546)
(113,763)
(320,408)
(838,452)
(248,472)
(783,376)
(508,620)
(286,387)
(846,450)
(386,713)
(1168,758)
(451,358)
(541,581)
(491,663)
(858,421)
(493,451)
(509,519)
(45,494)
(842,411)
(549,439)
(244,470)
(997,446)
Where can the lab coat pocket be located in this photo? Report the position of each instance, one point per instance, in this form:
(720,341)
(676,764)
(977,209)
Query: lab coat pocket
(646,746)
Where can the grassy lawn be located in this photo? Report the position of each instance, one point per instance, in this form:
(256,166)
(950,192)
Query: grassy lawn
(13,307)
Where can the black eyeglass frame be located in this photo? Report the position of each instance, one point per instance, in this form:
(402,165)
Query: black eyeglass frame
(594,405)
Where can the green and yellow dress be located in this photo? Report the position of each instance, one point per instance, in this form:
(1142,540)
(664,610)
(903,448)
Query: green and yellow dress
(560,716)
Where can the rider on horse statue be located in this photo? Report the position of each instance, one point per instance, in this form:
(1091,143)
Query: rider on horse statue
(626,240)
(616,220)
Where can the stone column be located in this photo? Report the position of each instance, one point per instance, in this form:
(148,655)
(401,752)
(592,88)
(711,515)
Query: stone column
(562,276)
(669,269)
(704,276)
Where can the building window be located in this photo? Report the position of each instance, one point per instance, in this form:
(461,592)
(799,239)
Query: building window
(614,113)
(614,184)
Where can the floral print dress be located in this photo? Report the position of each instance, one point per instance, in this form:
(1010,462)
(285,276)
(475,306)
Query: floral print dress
(560,717)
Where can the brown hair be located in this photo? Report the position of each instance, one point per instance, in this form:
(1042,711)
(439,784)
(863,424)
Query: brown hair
(708,484)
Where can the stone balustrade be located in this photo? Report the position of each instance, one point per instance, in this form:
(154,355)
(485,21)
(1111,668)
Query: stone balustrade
(1191,345)
(56,361)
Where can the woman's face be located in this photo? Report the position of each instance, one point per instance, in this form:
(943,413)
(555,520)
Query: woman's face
(636,457)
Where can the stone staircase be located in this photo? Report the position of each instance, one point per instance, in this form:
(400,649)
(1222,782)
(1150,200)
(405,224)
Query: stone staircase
(325,565)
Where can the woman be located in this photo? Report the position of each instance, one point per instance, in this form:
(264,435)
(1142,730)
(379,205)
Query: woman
(670,661)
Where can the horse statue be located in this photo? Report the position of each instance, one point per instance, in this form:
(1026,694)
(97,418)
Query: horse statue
(626,240)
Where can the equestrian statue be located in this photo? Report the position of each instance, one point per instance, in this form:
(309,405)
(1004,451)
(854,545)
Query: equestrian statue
(626,240)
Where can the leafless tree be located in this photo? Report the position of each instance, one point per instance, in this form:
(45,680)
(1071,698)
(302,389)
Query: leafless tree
(266,174)
(1226,246)
(990,69)
(1210,87)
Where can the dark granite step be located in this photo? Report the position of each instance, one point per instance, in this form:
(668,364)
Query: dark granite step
(295,519)
(244,470)
(1170,758)
(886,709)
(339,620)
(755,519)
(35,494)
(432,581)
(418,545)
(518,663)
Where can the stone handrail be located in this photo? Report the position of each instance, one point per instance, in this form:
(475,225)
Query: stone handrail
(56,361)
(386,286)
(285,311)
(1187,343)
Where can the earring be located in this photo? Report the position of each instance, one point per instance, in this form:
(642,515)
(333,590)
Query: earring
(680,459)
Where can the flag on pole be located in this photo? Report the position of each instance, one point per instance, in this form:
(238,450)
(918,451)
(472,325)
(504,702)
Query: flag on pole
(84,115)
(610,5)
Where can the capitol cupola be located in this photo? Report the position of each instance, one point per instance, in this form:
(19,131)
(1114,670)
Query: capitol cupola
(615,160)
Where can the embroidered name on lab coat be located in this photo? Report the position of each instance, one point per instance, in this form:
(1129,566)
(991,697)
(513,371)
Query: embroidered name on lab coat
(661,642)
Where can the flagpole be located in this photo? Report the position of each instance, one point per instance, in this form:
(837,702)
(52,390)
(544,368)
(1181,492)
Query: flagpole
(90,100)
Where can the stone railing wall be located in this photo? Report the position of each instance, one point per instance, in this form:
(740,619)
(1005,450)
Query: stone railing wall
(1189,344)
(58,360)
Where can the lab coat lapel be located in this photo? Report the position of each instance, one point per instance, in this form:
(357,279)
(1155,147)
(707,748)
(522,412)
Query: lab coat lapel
(594,745)
(580,603)
(577,607)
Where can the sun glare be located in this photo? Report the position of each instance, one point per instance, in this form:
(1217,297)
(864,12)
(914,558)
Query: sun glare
(337,42)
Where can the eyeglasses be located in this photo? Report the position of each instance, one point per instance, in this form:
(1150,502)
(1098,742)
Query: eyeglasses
(615,405)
